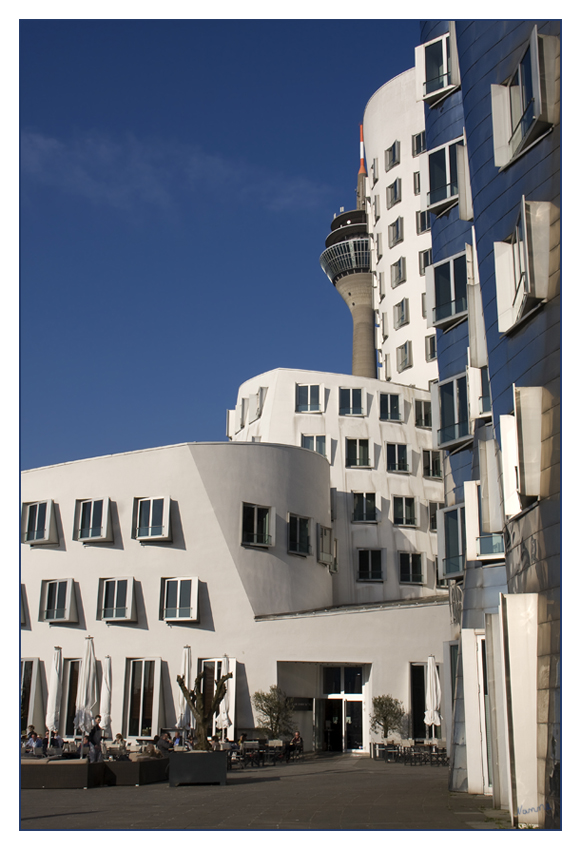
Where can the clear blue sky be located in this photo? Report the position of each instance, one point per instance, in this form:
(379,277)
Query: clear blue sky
(178,180)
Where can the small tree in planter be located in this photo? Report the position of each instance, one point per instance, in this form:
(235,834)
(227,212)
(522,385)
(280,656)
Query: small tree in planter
(275,711)
(195,701)
(388,714)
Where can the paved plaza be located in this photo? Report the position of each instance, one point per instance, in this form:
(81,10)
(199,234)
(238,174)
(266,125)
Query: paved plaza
(341,792)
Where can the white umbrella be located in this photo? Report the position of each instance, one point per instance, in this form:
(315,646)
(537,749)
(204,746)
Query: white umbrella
(185,715)
(87,689)
(105,698)
(433,695)
(224,721)
(55,690)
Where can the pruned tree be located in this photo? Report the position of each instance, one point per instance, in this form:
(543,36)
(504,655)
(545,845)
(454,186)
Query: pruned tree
(388,714)
(275,711)
(195,701)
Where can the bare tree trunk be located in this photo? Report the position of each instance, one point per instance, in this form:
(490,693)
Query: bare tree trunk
(195,701)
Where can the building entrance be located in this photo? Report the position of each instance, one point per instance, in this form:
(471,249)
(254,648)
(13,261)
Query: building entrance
(339,714)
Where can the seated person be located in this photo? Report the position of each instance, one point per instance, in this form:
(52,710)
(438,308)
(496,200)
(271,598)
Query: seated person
(84,747)
(164,745)
(294,746)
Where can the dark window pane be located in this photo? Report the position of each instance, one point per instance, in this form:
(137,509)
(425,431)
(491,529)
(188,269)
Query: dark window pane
(157,517)
(344,402)
(135,698)
(147,714)
(171,598)
(353,680)
(85,529)
(460,281)
(331,680)
(97,518)
(314,397)
(434,67)
(143,521)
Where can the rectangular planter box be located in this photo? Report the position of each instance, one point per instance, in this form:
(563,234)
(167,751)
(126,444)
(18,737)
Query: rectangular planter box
(140,772)
(198,768)
(69,773)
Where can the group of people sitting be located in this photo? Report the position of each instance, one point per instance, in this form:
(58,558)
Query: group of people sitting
(33,743)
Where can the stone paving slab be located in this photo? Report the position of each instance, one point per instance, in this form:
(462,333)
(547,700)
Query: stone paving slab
(336,793)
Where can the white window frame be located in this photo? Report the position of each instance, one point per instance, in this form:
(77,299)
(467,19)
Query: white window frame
(181,613)
(384,326)
(110,615)
(421,419)
(374,171)
(165,527)
(398,272)
(156,698)
(433,508)
(431,352)
(371,573)
(315,438)
(424,308)
(393,415)
(387,367)
(48,534)
(325,547)
(433,465)
(368,513)
(458,308)
(404,356)
(311,406)
(392,156)
(259,540)
(256,404)
(417,183)
(395,232)
(521,265)
(69,610)
(105,530)
(440,199)
(423,216)
(393,193)
(410,556)
(359,454)
(376,209)
(401,313)
(381,285)
(418,143)
(461,427)
(455,565)
(299,548)
(541,112)
(424,260)
(379,246)
(400,452)
(430,91)
(405,503)
(353,409)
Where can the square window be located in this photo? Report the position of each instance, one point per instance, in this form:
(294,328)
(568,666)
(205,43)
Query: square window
(394,193)
(314,442)
(432,463)
(392,156)
(404,510)
(431,348)
(389,407)
(116,599)
(446,287)
(257,525)
(437,67)
(308,398)
(357,453)
(443,185)
(58,602)
(38,524)
(369,565)
(395,232)
(401,313)
(398,274)
(423,224)
(364,507)
(298,535)
(179,599)
(425,259)
(404,356)
(397,457)
(423,414)
(152,519)
(92,521)
(350,401)
(418,143)
(410,567)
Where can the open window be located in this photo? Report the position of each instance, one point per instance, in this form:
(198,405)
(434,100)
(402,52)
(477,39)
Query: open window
(152,519)
(395,232)
(256,404)
(398,273)
(437,67)
(482,543)
(451,542)
(392,156)
(38,523)
(404,356)
(58,603)
(393,193)
(325,548)
(92,521)
(520,444)
(521,265)
(116,602)
(526,105)
(401,313)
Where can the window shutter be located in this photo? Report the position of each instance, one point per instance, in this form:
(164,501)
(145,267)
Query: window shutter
(500,124)
(465,212)
(504,274)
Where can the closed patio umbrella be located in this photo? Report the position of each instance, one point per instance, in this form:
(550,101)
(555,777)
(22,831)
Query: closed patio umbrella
(185,715)
(433,695)
(105,698)
(55,690)
(224,721)
(87,689)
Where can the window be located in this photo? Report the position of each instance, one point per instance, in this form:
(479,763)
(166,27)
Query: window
(116,599)
(433,509)
(387,368)
(422,222)
(451,541)
(431,348)
(256,525)
(369,565)
(358,453)
(442,176)
(401,313)
(92,521)
(384,326)
(395,232)
(410,567)
(364,507)
(314,442)
(308,398)
(378,246)
(521,437)
(58,601)
(153,519)
(521,265)
(394,193)
(437,71)
(404,356)
(424,312)
(398,272)
(374,172)
(143,696)
(454,421)
(38,523)
(392,156)
(256,404)
(423,414)
(526,106)
(381,284)
(389,407)
(350,401)
(425,259)
(180,599)
(397,457)
(404,510)
(325,548)
(432,464)
(376,208)
(298,535)
(484,400)
(417,183)
(418,143)
(446,287)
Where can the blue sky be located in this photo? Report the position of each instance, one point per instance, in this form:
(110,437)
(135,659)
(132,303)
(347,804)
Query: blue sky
(177,182)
